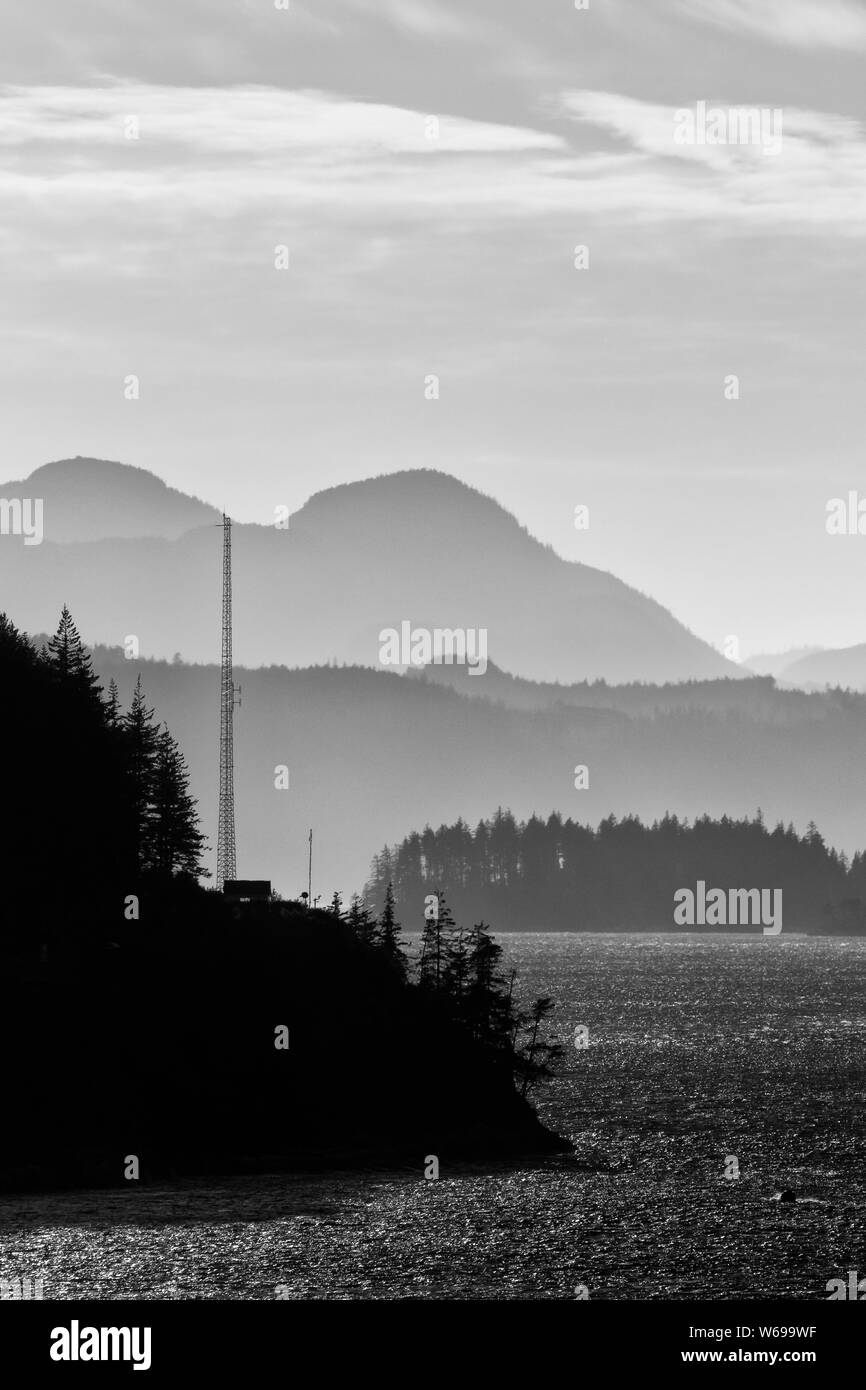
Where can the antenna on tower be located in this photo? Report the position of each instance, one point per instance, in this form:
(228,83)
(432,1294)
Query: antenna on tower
(226,852)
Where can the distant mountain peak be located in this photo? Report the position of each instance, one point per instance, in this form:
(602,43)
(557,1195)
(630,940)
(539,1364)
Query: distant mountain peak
(416,502)
(91,499)
(82,465)
(408,486)
(432,481)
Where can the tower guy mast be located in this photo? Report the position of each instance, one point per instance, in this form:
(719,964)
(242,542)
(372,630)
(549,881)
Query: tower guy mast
(226,853)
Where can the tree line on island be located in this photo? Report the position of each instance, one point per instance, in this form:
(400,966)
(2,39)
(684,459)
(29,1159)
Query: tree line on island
(561,875)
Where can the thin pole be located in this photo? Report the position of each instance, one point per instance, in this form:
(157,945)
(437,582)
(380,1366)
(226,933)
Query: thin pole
(226,851)
(310,875)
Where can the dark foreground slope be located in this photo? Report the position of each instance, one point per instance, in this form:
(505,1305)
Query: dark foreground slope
(141,1012)
(161,1044)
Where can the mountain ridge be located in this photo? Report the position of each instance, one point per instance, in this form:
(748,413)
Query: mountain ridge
(356,559)
(372,755)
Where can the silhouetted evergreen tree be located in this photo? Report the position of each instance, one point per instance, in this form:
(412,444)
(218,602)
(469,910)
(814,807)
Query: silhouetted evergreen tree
(177,842)
(455,971)
(537,1057)
(488,997)
(141,737)
(112,705)
(70,661)
(388,934)
(437,929)
(361,920)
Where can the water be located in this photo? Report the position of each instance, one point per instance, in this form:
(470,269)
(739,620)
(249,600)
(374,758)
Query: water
(701,1049)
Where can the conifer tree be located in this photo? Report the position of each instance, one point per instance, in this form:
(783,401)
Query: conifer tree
(177,842)
(488,999)
(538,1057)
(438,927)
(388,935)
(141,737)
(455,973)
(112,705)
(70,661)
(361,920)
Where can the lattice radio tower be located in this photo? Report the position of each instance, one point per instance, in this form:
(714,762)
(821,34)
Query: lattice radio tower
(226,853)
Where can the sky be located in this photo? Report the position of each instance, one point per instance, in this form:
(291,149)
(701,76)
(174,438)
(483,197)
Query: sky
(430,169)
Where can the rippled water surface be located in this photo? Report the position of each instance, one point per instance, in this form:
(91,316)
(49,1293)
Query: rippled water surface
(700,1049)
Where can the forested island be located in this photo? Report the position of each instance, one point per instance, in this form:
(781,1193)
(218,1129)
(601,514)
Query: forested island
(148,1017)
(560,875)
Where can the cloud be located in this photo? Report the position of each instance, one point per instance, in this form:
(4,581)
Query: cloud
(250,120)
(800,23)
(267,153)
(817,178)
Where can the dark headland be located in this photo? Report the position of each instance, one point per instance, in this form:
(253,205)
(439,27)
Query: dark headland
(147,1017)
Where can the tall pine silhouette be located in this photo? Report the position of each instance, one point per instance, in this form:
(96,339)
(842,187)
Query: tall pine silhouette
(388,934)
(70,660)
(141,736)
(177,843)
